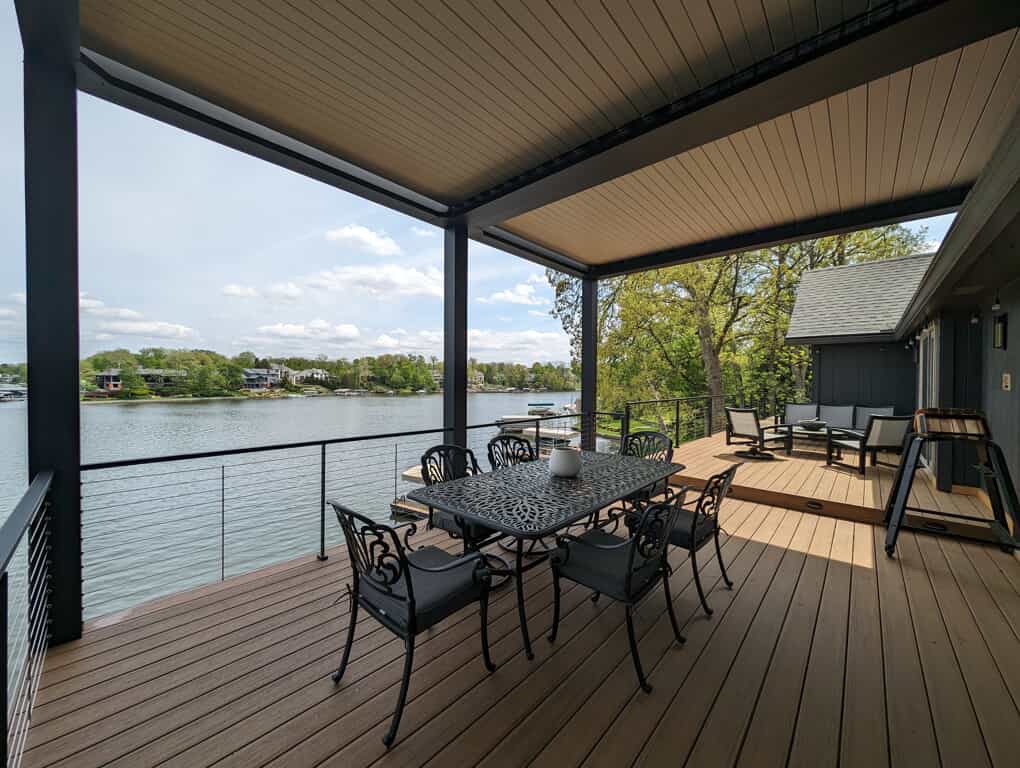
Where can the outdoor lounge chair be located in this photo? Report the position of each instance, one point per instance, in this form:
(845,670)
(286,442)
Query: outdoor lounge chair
(407,590)
(625,569)
(882,433)
(743,423)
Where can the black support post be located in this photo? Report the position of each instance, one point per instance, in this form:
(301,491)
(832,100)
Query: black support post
(589,359)
(49,31)
(455,305)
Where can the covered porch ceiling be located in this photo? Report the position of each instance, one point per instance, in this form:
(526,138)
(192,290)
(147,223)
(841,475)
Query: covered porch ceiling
(598,138)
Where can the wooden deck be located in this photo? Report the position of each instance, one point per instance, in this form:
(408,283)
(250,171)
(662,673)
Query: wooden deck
(825,653)
(803,481)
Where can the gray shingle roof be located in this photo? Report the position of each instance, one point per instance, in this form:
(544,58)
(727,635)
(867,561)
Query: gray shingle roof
(858,300)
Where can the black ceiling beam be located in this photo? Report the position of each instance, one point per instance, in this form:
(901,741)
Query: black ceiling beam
(906,209)
(526,249)
(890,37)
(118,84)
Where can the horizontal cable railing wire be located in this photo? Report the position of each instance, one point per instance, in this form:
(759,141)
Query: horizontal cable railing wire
(682,418)
(155,526)
(25,608)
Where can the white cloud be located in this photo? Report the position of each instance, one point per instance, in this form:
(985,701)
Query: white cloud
(117,312)
(385,341)
(521,293)
(8,313)
(539,313)
(149,328)
(284,291)
(318,330)
(239,291)
(425,231)
(518,346)
(366,239)
(18,297)
(85,302)
(537,278)
(383,280)
(103,336)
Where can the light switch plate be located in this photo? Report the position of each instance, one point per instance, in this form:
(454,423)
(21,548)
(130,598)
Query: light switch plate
(1007,382)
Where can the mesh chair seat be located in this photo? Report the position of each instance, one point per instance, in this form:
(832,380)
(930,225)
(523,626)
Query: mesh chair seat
(681,536)
(436,595)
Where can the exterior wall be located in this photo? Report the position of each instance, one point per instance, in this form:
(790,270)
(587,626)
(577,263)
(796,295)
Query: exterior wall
(959,385)
(876,374)
(1001,407)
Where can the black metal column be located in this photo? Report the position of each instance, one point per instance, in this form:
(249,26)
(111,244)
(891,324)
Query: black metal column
(455,307)
(589,359)
(49,31)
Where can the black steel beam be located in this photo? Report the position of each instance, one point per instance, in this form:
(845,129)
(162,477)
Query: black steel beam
(49,30)
(526,249)
(931,204)
(121,85)
(589,360)
(890,37)
(455,306)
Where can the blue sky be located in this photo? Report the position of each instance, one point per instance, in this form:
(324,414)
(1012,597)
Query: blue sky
(184,243)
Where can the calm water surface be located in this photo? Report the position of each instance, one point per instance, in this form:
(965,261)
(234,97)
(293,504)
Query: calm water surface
(160,528)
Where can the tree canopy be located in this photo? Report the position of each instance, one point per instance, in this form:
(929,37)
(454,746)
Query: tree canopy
(715,326)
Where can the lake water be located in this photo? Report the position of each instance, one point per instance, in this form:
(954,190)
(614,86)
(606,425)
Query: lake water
(155,529)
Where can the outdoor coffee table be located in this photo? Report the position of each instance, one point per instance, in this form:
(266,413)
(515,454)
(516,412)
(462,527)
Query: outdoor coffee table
(526,502)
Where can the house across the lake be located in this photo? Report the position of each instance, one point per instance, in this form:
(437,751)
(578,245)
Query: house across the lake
(262,378)
(155,379)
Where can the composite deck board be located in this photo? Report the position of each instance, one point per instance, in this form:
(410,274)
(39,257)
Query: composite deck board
(825,652)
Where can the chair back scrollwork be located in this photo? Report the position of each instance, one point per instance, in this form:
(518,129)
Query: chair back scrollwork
(447,462)
(509,450)
(715,490)
(377,554)
(647,444)
(650,538)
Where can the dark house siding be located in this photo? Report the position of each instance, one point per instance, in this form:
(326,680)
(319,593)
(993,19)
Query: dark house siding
(959,386)
(1003,408)
(876,374)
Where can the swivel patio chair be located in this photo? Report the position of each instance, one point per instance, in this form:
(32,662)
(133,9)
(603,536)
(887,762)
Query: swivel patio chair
(743,423)
(625,569)
(451,462)
(882,433)
(407,590)
(509,450)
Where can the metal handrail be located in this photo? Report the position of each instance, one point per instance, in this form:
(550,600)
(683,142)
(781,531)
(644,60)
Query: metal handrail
(24,513)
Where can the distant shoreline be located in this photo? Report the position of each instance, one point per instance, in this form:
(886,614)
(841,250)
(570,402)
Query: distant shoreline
(244,398)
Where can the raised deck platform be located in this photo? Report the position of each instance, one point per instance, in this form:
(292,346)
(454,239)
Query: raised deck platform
(803,481)
(825,652)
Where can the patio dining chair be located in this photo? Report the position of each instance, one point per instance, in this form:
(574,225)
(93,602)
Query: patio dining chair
(743,424)
(451,462)
(625,569)
(509,450)
(407,590)
(647,444)
(698,523)
(882,433)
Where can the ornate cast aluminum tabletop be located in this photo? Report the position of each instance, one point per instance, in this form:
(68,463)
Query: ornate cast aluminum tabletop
(526,501)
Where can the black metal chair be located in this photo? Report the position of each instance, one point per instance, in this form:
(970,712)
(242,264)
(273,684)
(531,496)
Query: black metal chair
(699,523)
(883,433)
(625,569)
(451,462)
(645,444)
(743,423)
(509,450)
(407,590)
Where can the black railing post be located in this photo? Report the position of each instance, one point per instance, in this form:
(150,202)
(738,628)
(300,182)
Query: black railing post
(625,423)
(676,423)
(538,438)
(589,359)
(223,522)
(708,416)
(322,507)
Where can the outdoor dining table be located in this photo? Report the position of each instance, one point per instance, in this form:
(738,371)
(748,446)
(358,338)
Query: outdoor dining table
(527,502)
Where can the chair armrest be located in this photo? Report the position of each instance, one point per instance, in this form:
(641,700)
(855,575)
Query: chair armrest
(843,432)
(472,557)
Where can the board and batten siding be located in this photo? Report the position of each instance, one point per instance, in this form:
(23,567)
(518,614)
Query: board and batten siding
(878,374)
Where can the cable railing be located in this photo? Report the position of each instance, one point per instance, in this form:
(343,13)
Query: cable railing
(682,418)
(25,609)
(155,526)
